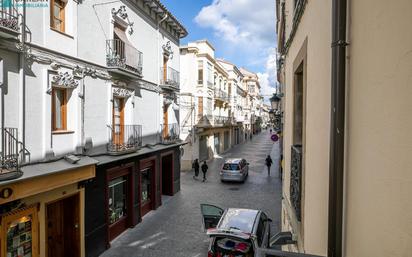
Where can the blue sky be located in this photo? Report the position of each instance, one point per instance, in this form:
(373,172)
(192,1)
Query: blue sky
(242,32)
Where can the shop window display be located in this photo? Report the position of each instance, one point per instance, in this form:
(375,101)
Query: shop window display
(20,233)
(117,199)
(146,185)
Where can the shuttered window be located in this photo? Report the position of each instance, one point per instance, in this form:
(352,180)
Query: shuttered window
(57,15)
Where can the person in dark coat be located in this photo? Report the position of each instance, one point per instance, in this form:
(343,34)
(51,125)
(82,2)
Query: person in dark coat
(204,170)
(196,167)
(268,163)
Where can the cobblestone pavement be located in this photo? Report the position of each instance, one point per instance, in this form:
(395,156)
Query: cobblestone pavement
(174,229)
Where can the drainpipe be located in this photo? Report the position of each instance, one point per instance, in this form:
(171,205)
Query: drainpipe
(158,60)
(22,100)
(83,99)
(337,137)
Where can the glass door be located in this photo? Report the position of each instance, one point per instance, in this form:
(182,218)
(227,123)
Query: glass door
(118,121)
(146,189)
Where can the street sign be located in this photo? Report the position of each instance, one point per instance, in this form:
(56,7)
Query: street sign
(274,137)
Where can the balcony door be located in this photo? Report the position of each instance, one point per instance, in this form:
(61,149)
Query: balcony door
(118,120)
(164,68)
(165,122)
(119,42)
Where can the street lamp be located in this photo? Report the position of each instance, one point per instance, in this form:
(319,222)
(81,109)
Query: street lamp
(275,113)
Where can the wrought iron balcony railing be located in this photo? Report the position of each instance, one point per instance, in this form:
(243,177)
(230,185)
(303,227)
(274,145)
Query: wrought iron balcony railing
(9,16)
(124,139)
(171,78)
(169,133)
(10,154)
(221,95)
(296,180)
(220,120)
(123,56)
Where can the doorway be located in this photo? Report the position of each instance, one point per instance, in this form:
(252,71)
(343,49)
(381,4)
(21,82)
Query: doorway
(118,121)
(203,151)
(167,174)
(147,186)
(63,227)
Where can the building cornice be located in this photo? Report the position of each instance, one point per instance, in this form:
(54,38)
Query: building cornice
(298,13)
(161,12)
(208,56)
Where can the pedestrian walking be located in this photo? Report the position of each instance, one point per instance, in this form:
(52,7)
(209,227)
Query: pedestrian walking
(204,170)
(196,166)
(268,163)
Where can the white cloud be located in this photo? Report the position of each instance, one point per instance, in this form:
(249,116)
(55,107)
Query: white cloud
(246,27)
(268,78)
(240,21)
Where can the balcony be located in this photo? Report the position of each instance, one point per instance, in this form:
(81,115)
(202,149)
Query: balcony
(124,139)
(10,155)
(171,79)
(221,95)
(221,121)
(210,84)
(169,133)
(9,19)
(296,179)
(123,58)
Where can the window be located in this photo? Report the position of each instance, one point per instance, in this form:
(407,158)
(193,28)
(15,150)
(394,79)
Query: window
(117,199)
(118,121)
(251,88)
(20,232)
(210,74)
(57,20)
(259,232)
(59,109)
(200,72)
(146,181)
(200,106)
(164,68)
(298,107)
(231,166)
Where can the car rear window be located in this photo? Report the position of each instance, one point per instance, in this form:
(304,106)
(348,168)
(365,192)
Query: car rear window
(233,247)
(231,166)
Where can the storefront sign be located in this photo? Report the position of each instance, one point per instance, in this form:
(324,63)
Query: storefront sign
(6,192)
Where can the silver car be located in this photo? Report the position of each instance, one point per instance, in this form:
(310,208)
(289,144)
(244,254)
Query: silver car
(234,170)
(244,233)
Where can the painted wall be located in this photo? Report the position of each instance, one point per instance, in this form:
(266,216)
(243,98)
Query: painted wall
(145,37)
(312,231)
(40,32)
(379,142)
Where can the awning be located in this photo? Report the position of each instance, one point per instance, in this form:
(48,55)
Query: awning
(121,34)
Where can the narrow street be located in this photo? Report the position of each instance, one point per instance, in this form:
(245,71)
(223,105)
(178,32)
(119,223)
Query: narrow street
(174,229)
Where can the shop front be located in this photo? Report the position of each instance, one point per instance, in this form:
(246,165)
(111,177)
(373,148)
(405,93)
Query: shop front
(125,189)
(44,215)
(119,203)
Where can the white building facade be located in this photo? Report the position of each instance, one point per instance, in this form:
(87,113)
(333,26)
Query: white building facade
(89,88)
(215,103)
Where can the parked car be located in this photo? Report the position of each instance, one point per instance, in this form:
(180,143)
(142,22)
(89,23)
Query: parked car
(241,233)
(234,170)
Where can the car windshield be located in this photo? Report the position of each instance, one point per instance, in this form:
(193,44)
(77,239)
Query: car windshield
(231,166)
(238,219)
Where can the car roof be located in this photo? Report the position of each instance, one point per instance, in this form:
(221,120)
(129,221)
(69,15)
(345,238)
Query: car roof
(233,160)
(239,219)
